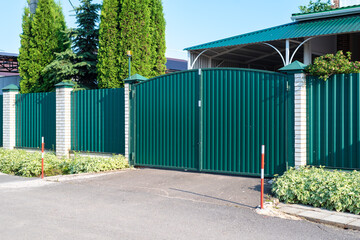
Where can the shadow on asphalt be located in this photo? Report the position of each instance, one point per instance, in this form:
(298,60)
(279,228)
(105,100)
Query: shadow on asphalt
(267,188)
(211,197)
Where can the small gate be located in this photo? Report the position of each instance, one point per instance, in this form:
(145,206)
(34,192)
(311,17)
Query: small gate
(214,120)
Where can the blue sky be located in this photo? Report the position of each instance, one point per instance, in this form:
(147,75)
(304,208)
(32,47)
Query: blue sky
(188,22)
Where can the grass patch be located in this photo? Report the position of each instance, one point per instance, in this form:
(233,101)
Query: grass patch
(318,187)
(27,164)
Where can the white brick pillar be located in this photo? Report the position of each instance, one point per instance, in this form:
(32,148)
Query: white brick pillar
(63,118)
(300,119)
(134,79)
(297,68)
(127,118)
(9,113)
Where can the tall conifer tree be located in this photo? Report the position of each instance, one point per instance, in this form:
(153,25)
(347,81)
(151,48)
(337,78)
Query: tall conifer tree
(135,35)
(47,37)
(108,66)
(24,56)
(86,40)
(158,38)
(140,27)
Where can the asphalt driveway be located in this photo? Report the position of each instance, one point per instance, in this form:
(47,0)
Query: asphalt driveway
(146,204)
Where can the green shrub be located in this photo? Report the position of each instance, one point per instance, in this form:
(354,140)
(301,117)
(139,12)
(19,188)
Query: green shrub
(316,6)
(27,164)
(83,164)
(333,190)
(329,64)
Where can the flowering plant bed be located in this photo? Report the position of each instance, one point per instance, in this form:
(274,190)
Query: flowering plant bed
(318,187)
(28,164)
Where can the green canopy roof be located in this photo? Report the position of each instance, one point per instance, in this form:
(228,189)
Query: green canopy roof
(302,29)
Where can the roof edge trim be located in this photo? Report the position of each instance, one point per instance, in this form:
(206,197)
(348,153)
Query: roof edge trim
(326,14)
(196,47)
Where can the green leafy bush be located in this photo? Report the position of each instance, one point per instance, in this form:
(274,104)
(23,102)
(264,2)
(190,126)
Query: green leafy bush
(22,163)
(329,64)
(316,6)
(83,164)
(333,190)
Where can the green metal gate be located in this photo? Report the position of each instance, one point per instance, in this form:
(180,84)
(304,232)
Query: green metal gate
(166,116)
(214,120)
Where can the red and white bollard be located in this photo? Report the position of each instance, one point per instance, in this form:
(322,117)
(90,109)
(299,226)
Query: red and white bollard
(42,157)
(262,176)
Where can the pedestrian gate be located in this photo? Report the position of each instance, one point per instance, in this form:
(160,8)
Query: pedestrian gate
(214,120)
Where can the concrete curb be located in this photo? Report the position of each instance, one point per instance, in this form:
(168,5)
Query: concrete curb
(338,219)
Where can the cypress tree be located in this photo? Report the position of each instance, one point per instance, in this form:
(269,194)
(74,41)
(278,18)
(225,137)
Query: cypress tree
(86,41)
(158,38)
(136,25)
(108,66)
(135,35)
(24,52)
(47,37)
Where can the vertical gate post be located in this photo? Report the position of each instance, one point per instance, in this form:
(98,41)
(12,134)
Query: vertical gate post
(9,116)
(63,118)
(297,68)
(128,83)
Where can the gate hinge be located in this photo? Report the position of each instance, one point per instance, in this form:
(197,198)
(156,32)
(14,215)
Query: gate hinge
(199,103)
(199,71)
(287,86)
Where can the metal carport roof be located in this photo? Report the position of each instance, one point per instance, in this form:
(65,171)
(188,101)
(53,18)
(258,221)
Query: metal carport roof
(292,30)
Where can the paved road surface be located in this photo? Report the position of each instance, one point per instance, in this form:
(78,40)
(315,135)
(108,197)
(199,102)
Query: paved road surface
(146,204)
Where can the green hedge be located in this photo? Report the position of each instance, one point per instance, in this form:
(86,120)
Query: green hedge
(27,164)
(333,190)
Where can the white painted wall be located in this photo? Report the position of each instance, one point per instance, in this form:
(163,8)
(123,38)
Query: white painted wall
(345,3)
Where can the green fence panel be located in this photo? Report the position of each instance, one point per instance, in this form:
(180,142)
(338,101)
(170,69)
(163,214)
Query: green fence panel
(98,121)
(334,121)
(214,120)
(36,118)
(166,114)
(243,109)
(1,120)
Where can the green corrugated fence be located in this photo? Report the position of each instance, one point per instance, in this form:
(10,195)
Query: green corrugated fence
(36,117)
(98,122)
(334,121)
(214,120)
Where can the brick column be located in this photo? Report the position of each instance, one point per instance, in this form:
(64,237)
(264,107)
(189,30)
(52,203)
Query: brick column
(63,118)
(136,78)
(9,120)
(127,117)
(297,68)
(300,120)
